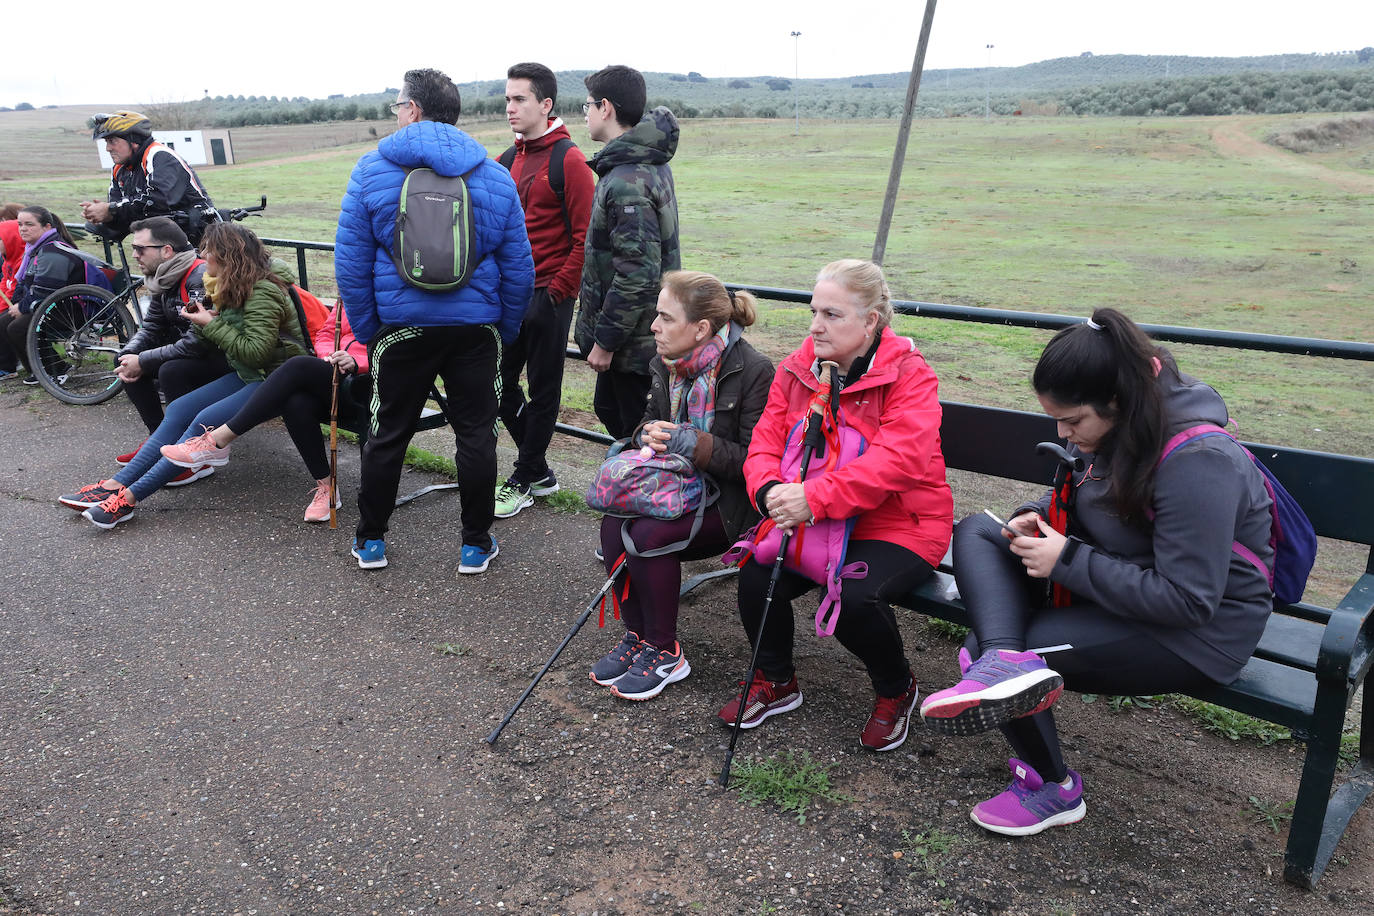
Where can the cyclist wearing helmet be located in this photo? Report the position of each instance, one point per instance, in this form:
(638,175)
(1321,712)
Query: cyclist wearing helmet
(149,179)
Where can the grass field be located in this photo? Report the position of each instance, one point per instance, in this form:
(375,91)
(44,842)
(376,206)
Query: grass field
(1190,221)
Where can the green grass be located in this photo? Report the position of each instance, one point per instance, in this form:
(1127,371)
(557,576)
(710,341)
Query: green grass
(1232,725)
(791,781)
(1271,814)
(929,851)
(566,501)
(450,649)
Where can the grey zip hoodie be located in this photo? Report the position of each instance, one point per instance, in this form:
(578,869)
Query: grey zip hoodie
(1179,577)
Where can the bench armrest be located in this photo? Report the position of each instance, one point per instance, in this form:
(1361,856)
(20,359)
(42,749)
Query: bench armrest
(1345,650)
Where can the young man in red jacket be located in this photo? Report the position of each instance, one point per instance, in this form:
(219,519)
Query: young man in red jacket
(556,217)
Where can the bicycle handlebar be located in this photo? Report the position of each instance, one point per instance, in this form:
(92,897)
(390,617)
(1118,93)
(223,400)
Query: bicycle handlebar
(217,214)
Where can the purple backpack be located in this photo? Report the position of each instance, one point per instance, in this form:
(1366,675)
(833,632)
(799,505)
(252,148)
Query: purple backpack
(1291,536)
(816,551)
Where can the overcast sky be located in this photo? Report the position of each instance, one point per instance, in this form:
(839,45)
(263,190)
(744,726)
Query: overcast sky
(168,50)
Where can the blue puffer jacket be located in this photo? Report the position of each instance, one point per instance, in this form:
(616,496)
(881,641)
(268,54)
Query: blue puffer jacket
(374,293)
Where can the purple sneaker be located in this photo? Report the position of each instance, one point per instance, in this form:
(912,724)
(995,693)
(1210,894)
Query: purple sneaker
(1000,686)
(1030,805)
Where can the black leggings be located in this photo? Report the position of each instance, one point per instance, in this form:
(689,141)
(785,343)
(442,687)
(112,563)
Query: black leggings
(1110,655)
(15,328)
(299,392)
(867,625)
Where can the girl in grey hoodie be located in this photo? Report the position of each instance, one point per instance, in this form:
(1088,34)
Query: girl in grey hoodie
(1147,593)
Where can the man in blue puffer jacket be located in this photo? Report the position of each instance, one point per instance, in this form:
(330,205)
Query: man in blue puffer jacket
(413,334)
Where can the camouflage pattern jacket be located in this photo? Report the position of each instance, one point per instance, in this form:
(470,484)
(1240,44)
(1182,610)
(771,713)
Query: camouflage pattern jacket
(631,242)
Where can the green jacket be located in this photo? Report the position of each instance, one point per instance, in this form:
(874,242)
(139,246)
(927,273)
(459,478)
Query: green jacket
(632,241)
(260,336)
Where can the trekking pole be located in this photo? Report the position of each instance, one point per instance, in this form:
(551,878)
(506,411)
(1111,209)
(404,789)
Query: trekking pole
(812,439)
(596,599)
(334,419)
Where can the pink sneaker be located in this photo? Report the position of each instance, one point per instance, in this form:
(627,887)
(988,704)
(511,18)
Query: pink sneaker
(318,510)
(196,451)
(1030,805)
(1000,686)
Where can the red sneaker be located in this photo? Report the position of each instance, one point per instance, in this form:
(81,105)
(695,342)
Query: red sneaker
(764,698)
(887,726)
(190,475)
(125,458)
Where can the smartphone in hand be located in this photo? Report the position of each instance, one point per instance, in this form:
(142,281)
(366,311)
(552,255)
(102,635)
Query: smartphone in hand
(1005,527)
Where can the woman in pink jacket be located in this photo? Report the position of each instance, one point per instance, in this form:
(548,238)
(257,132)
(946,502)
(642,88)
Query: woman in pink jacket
(300,393)
(895,490)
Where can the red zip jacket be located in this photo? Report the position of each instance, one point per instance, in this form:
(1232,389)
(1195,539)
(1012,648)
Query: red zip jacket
(557,258)
(897,486)
(324,340)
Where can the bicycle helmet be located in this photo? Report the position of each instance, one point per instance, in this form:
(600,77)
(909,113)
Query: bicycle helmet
(130,125)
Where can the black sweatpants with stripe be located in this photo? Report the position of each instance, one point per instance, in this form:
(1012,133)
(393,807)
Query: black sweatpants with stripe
(404,363)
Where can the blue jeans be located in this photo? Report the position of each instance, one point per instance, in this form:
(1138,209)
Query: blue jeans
(208,405)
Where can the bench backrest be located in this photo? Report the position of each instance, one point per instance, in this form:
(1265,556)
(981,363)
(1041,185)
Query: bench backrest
(1336,491)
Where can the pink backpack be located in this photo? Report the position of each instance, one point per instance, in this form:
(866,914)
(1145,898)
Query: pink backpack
(816,551)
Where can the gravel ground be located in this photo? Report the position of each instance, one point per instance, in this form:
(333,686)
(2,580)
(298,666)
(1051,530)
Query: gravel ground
(210,709)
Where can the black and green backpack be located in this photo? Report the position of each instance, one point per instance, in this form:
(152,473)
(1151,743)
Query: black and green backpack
(433,247)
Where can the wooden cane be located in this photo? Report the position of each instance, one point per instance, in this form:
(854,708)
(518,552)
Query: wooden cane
(334,419)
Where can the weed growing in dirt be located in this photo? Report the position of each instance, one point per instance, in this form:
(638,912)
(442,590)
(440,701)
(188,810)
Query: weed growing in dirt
(791,781)
(1272,814)
(450,649)
(566,501)
(946,630)
(1123,704)
(927,851)
(1349,753)
(1229,724)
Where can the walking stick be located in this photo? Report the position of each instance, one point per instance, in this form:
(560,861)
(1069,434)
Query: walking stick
(812,438)
(334,419)
(597,599)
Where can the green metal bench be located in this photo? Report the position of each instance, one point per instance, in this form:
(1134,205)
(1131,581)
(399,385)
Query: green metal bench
(1311,662)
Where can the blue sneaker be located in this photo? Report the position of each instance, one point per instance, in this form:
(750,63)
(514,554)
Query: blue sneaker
(372,555)
(474,559)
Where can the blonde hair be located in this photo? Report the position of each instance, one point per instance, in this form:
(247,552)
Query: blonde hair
(865,282)
(704,296)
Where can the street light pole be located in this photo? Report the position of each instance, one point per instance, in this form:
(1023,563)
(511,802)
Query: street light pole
(987,102)
(796,76)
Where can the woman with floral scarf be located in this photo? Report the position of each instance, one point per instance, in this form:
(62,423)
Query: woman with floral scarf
(708,387)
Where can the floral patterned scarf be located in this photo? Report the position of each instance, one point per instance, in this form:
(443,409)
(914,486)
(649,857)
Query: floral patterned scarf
(693,378)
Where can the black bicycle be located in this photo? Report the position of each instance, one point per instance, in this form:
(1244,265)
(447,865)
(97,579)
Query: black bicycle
(78,331)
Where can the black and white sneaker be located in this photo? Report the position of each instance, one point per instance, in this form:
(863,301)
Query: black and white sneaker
(652,670)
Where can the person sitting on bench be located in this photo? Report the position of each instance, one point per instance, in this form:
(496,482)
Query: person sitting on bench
(707,390)
(895,491)
(1143,595)
(253,322)
(300,392)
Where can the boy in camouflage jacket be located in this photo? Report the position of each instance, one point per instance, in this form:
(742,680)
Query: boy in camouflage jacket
(632,241)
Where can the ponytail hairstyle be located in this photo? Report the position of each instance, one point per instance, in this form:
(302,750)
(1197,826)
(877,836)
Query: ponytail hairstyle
(705,297)
(50,220)
(1107,363)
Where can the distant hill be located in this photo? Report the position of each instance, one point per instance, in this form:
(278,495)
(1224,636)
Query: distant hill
(1086,84)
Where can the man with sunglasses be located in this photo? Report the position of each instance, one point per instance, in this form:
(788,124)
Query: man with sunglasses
(165,354)
(632,241)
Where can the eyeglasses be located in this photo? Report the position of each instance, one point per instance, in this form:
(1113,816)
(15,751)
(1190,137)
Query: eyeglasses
(396,106)
(588,106)
(139,249)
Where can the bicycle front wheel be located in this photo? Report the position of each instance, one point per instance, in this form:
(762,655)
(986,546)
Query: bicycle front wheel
(74,340)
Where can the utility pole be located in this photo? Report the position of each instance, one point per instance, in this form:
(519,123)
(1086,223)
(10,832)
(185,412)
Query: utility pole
(796,77)
(987,102)
(894,180)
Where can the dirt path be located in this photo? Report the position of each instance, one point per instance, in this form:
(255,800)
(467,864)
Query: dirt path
(1232,138)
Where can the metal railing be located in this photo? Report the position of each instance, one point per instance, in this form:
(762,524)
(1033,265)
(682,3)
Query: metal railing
(1271,343)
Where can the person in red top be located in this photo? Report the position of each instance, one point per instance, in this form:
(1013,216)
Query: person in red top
(895,490)
(557,229)
(12,253)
